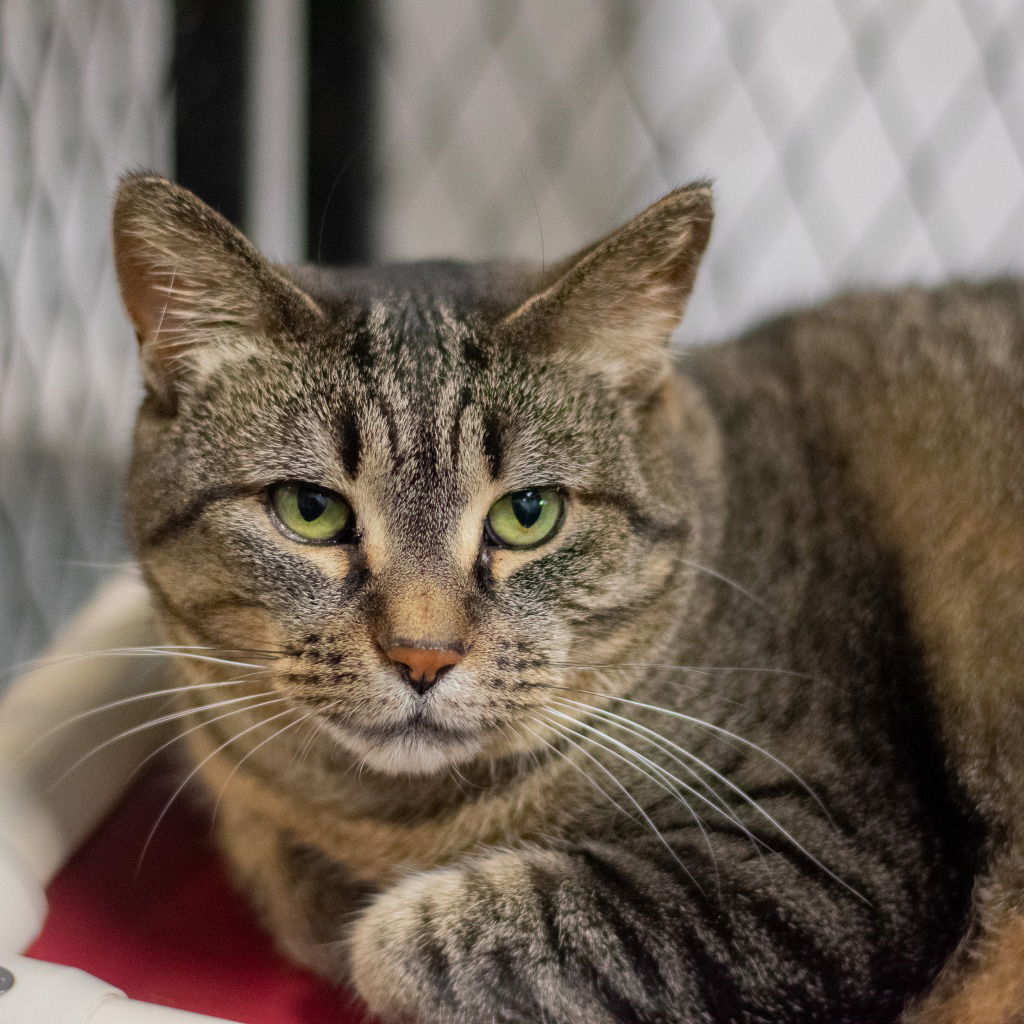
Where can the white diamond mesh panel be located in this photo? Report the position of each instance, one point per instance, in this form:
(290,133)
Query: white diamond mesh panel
(504,125)
(83,96)
(851,142)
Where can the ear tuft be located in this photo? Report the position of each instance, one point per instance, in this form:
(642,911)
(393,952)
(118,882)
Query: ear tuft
(614,306)
(190,281)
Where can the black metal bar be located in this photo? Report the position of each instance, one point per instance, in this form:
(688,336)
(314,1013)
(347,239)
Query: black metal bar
(209,81)
(341,97)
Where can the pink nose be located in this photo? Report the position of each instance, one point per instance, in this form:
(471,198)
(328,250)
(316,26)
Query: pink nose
(423,665)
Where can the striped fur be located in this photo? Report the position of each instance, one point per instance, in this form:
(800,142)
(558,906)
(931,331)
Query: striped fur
(734,745)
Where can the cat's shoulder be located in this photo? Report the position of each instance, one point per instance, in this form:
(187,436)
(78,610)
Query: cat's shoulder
(893,310)
(953,326)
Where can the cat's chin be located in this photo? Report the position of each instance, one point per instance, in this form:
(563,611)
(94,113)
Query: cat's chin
(410,752)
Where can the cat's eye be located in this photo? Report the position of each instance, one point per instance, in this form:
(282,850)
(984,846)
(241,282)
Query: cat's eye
(525,519)
(312,514)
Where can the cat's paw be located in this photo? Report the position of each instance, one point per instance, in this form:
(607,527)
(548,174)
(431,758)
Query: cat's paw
(399,966)
(511,937)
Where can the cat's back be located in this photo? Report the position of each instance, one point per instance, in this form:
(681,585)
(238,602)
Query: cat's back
(917,392)
(915,398)
(921,393)
(954,339)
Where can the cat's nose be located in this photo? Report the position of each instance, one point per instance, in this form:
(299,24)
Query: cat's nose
(423,666)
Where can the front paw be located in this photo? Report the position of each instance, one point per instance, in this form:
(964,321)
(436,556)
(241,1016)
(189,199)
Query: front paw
(507,938)
(400,966)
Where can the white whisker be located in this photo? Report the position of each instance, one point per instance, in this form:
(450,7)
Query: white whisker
(303,750)
(732,785)
(562,731)
(163,312)
(179,735)
(135,698)
(192,774)
(727,580)
(568,760)
(140,652)
(78,563)
(526,746)
(658,779)
(142,727)
(245,757)
(711,727)
(715,802)
(707,670)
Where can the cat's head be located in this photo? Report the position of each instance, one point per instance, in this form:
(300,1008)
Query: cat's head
(427,493)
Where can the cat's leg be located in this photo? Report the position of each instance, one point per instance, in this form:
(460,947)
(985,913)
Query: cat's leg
(304,898)
(599,935)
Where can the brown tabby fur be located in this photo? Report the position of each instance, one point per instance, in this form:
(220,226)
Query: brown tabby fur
(811,538)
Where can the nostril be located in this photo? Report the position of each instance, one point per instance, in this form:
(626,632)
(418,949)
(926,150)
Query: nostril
(423,666)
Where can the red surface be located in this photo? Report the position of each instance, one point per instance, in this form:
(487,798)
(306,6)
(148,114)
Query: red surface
(173,931)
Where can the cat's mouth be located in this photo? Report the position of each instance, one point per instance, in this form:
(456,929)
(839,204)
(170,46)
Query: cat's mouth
(417,744)
(416,725)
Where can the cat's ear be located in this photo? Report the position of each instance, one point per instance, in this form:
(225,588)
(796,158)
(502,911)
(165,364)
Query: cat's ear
(194,287)
(613,307)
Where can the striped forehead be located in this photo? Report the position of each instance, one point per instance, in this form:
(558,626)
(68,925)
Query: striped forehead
(422,343)
(411,413)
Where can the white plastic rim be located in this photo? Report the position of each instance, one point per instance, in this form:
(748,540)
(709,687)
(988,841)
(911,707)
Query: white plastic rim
(44,993)
(58,778)
(22,898)
(58,775)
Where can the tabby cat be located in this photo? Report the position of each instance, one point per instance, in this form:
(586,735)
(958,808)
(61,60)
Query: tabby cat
(536,680)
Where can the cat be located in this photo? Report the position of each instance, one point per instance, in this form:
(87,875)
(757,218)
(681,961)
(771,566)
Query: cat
(538,679)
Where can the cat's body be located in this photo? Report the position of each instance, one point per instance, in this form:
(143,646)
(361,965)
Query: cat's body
(732,742)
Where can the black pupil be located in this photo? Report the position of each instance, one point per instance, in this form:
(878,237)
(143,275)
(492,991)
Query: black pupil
(527,506)
(312,504)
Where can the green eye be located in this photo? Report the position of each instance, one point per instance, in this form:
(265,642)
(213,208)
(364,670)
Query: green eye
(524,519)
(311,513)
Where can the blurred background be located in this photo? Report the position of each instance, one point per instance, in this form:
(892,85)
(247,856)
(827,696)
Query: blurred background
(850,141)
